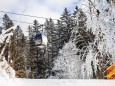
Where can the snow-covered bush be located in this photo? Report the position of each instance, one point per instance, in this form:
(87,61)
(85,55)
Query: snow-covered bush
(5,66)
(68,62)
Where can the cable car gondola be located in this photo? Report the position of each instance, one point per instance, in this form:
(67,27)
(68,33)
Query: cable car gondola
(40,40)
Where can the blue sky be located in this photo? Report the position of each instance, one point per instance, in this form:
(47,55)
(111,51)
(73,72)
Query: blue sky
(42,8)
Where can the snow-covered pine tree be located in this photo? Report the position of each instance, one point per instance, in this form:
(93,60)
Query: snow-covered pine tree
(67,24)
(36,26)
(7,22)
(41,54)
(29,62)
(37,57)
(80,35)
(32,54)
(62,35)
(50,27)
(17,52)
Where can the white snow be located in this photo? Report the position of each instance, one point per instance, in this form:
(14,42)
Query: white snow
(4,66)
(5,34)
(55,82)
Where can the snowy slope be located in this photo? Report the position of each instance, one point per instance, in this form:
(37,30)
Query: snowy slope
(55,82)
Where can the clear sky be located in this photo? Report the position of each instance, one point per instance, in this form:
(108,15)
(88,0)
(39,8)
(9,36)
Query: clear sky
(41,8)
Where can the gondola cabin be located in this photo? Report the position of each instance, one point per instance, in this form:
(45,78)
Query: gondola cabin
(40,40)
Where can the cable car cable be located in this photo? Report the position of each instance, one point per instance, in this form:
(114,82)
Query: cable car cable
(26,15)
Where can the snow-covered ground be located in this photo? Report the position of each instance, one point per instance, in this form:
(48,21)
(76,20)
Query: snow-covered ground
(55,82)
